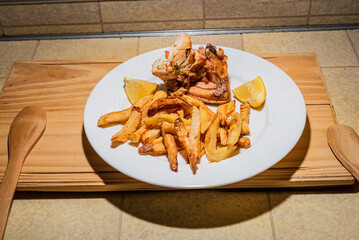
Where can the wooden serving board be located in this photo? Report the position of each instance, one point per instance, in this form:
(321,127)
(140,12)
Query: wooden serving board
(63,160)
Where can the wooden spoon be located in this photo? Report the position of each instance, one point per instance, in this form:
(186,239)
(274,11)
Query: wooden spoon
(344,142)
(25,130)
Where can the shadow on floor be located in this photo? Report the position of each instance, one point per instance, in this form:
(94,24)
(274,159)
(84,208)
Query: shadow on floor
(195,208)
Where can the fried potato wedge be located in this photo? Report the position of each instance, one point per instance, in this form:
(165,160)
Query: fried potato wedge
(150,135)
(154,149)
(234,129)
(226,110)
(136,136)
(223,136)
(157,95)
(131,125)
(244,112)
(142,101)
(180,112)
(210,141)
(192,155)
(167,102)
(206,119)
(159,118)
(244,142)
(221,153)
(114,117)
(157,140)
(172,152)
(168,128)
(198,103)
(212,153)
(194,135)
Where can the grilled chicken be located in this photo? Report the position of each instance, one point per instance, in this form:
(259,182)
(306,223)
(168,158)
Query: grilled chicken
(198,72)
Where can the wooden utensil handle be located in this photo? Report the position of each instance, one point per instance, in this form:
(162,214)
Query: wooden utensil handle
(7,190)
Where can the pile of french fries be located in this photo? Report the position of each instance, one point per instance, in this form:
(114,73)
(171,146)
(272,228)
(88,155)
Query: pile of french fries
(172,124)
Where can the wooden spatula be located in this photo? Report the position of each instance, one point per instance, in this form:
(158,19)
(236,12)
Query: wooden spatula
(25,130)
(344,142)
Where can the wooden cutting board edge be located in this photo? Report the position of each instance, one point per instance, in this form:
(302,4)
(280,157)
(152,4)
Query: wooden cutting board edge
(98,186)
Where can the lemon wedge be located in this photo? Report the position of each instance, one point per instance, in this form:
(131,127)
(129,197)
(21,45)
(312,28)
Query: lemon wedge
(253,92)
(137,88)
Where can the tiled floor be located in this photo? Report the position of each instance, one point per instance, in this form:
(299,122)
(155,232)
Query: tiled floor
(200,214)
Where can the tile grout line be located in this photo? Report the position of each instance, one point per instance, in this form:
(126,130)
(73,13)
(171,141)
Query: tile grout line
(35,50)
(204,14)
(309,11)
(138,45)
(242,41)
(274,234)
(100,14)
(120,216)
(340,66)
(352,44)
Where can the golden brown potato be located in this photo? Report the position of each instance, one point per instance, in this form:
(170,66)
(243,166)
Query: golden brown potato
(130,126)
(244,112)
(226,110)
(161,117)
(142,101)
(206,119)
(192,155)
(244,142)
(195,131)
(198,103)
(212,153)
(157,95)
(223,135)
(234,129)
(172,152)
(150,135)
(154,149)
(168,128)
(136,136)
(114,117)
(167,102)
(211,135)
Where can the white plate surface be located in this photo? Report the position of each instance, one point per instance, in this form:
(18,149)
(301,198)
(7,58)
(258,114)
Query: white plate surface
(275,128)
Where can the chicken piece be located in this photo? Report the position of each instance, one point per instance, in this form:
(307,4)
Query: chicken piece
(214,87)
(198,72)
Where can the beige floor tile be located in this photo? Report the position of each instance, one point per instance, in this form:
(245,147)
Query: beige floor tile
(87,48)
(53,29)
(226,40)
(256,22)
(64,216)
(343,88)
(195,215)
(326,20)
(11,51)
(354,37)
(151,43)
(152,26)
(315,215)
(151,10)
(332,48)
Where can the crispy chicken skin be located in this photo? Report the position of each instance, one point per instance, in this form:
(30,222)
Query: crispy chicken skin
(198,72)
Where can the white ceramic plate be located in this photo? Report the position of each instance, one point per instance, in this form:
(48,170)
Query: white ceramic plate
(275,128)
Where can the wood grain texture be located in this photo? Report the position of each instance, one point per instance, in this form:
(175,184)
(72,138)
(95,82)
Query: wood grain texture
(63,159)
(344,142)
(25,131)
